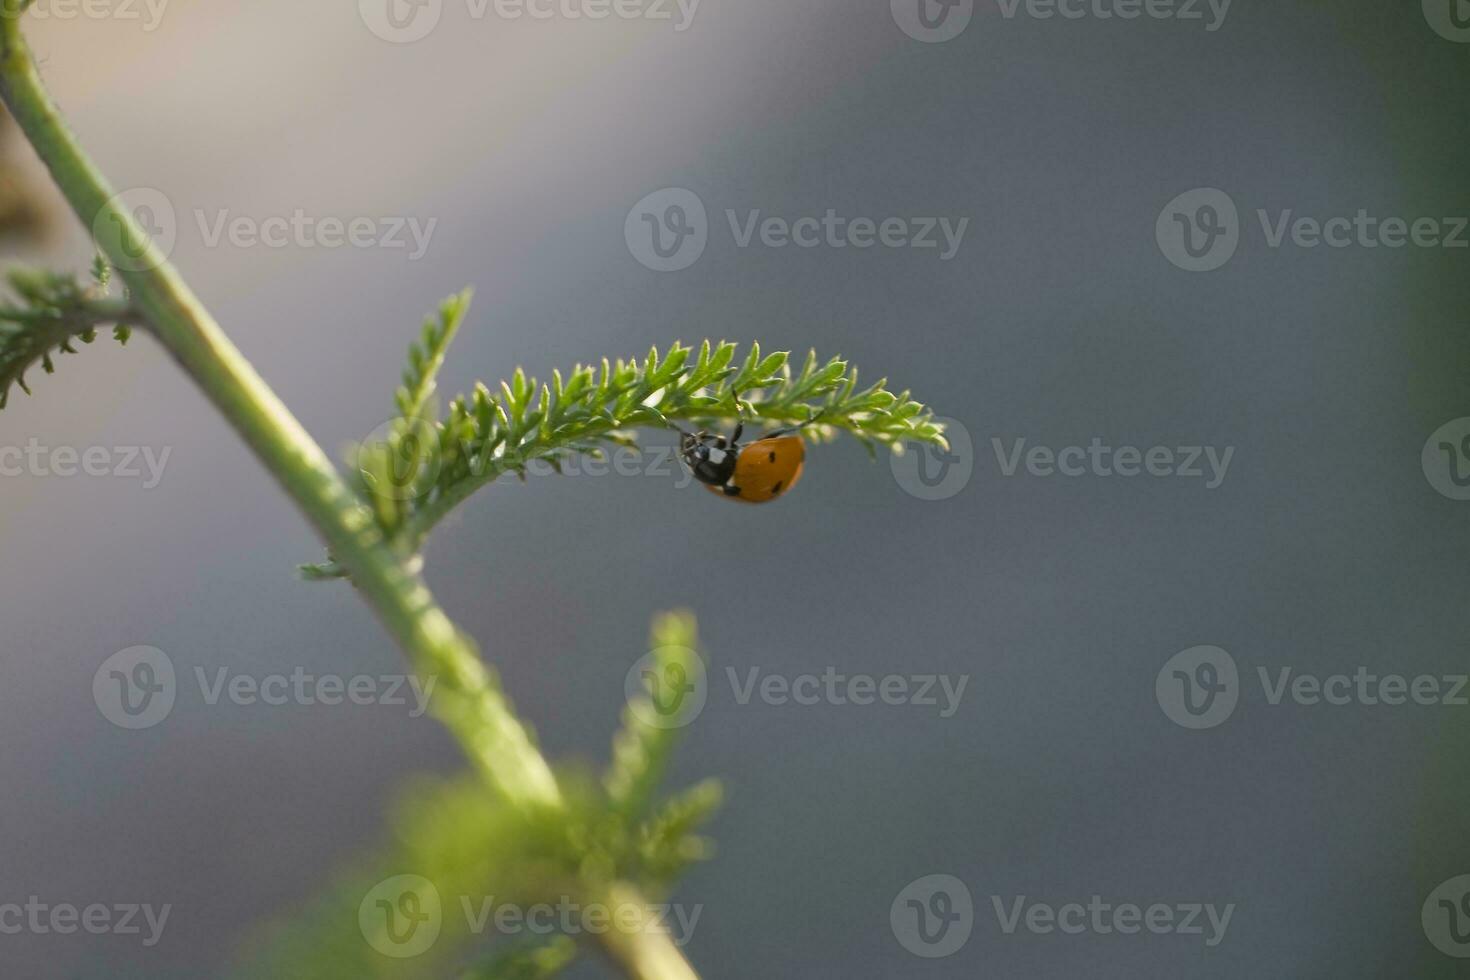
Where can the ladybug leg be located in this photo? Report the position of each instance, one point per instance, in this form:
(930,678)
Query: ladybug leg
(731,443)
(794,428)
(731,490)
(788,430)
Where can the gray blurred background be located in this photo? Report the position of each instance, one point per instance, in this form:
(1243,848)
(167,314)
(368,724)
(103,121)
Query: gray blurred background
(1059,777)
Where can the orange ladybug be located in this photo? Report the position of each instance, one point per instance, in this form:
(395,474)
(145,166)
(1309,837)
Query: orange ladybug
(755,473)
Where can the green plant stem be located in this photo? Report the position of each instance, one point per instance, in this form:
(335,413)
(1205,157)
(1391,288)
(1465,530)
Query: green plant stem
(92,313)
(476,710)
(645,951)
(469,699)
(425,520)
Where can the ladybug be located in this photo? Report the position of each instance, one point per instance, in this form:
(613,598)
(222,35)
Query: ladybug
(755,473)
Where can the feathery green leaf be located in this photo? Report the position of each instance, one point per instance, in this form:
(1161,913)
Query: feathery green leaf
(427,355)
(413,478)
(50,312)
(479,853)
(641,749)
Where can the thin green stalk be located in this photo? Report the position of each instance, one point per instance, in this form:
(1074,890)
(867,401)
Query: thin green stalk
(428,517)
(645,950)
(471,703)
(468,698)
(92,313)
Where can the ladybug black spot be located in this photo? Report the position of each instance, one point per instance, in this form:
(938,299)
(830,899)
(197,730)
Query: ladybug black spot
(777,488)
(773,458)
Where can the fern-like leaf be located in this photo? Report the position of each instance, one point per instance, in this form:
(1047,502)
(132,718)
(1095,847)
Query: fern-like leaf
(427,356)
(49,314)
(535,959)
(667,843)
(480,853)
(417,472)
(640,748)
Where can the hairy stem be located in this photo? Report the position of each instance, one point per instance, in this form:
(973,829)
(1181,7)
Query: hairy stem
(643,951)
(429,516)
(475,708)
(92,313)
(469,699)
